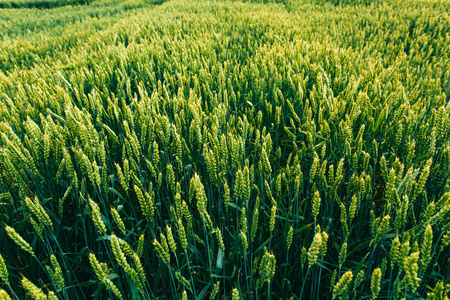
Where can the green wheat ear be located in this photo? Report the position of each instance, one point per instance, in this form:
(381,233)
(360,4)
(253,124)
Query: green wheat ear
(244,220)
(411,268)
(183,281)
(215,290)
(96,217)
(314,249)
(316,204)
(19,240)
(118,220)
(37,209)
(102,276)
(323,248)
(426,245)
(342,254)
(171,240)
(56,275)
(244,241)
(235,295)
(395,249)
(35,291)
(289,237)
(3,271)
(163,253)
(341,288)
(375,283)
(273,213)
(182,233)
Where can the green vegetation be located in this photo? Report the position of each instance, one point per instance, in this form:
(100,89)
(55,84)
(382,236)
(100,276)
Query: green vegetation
(225,150)
(39,3)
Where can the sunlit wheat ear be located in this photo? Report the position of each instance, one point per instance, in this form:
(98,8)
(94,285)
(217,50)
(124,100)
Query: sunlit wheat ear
(323,247)
(268,190)
(382,229)
(428,213)
(384,264)
(303,256)
(4,275)
(333,279)
(183,281)
(289,237)
(341,288)
(187,214)
(118,220)
(62,200)
(34,291)
(244,221)
(391,189)
(140,248)
(343,218)
(117,251)
(411,268)
(404,251)
(39,212)
(235,295)
(426,245)
(266,163)
(358,279)
(438,292)
(122,178)
(273,214)
(120,250)
(208,221)
(200,194)
(102,276)
(146,202)
(244,241)
(69,167)
(314,249)
(96,217)
(226,196)
(19,240)
(56,274)
(395,248)
(215,290)
(445,240)
(422,180)
(220,239)
(316,204)
(163,253)
(342,254)
(182,234)
(95,264)
(4,295)
(171,240)
(314,166)
(39,228)
(375,282)
(352,208)
(255,220)
(178,205)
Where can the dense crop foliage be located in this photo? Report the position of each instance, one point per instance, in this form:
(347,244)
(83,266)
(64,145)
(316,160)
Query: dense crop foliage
(38,3)
(231,150)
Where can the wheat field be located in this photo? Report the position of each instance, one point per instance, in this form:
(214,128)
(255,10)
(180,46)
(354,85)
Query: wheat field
(292,149)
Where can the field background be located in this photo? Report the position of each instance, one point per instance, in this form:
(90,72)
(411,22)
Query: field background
(224,149)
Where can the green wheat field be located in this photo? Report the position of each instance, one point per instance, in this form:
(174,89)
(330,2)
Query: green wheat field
(196,149)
